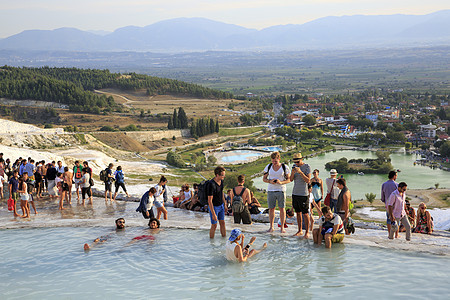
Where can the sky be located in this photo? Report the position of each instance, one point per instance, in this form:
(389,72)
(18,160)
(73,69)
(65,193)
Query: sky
(19,15)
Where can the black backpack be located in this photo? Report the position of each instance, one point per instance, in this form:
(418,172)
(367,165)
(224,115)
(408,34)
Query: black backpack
(202,197)
(238,203)
(284,170)
(103,175)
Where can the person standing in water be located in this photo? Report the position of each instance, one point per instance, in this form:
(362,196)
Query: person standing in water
(235,250)
(276,175)
(301,174)
(216,202)
(397,211)
(159,198)
(120,182)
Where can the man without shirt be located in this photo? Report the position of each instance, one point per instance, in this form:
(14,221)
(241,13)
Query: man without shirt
(301,175)
(216,201)
(120,225)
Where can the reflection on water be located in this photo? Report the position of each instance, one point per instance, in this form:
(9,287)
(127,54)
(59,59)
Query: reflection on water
(417,177)
(49,263)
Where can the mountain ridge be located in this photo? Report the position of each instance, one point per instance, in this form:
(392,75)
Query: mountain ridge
(202,34)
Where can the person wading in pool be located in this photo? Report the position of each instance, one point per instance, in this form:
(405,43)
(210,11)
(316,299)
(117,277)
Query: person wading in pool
(235,250)
(120,226)
(216,201)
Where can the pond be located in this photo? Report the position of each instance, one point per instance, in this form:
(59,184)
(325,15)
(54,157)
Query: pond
(237,156)
(49,263)
(417,177)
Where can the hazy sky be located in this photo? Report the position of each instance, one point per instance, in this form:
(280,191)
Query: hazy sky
(19,15)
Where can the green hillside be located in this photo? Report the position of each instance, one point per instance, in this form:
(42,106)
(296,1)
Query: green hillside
(74,87)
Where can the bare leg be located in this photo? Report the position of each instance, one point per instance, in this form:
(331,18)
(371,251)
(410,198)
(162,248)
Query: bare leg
(254,251)
(306,225)
(299,223)
(34,207)
(271,218)
(223,229)
(282,219)
(162,210)
(115,195)
(316,236)
(328,237)
(212,230)
(70,194)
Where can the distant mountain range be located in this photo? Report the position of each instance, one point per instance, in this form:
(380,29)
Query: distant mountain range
(199,34)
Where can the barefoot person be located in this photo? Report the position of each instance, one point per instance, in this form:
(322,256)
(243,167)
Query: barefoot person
(24,196)
(146,204)
(13,188)
(397,211)
(301,174)
(235,250)
(77,174)
(331,228)
(386,190)
(120,225)
(216,201)
(276,175)
(159,199)
(120,182)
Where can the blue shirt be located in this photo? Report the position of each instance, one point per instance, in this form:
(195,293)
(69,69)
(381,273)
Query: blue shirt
(29,168)
(14,184)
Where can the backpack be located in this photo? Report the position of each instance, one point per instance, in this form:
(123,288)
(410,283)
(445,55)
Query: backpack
(119,177)
(238,203)
(103,175)
(286,175)
(202,197)
(77,172)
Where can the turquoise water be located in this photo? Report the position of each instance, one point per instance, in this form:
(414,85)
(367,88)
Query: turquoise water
(273,149)
(49,263)
(417,177)
(239,155)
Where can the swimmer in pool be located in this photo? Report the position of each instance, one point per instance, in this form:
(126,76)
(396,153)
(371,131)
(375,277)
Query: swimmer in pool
(237,252)
(120,225)
(154,225)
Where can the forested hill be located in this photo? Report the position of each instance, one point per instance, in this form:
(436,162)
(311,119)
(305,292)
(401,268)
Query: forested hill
(75,86)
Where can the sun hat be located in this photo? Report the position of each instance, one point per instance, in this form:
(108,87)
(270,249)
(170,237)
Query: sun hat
(297,156)
(234,234)
(333,172)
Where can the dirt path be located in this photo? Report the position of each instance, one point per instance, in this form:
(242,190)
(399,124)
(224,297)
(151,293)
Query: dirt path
(127,101)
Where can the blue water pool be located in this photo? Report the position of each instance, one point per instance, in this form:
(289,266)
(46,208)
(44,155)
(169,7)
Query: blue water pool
(239,155)
(273,149)
(49,263)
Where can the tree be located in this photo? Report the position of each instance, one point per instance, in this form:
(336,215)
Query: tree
(175,119)
(309,120)
(370,197)
(170,123)
(445,149)
(408,146)
(182,119)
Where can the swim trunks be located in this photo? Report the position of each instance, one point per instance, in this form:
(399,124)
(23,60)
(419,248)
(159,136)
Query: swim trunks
(144,237)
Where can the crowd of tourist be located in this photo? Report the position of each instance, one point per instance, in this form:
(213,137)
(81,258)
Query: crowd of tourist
(28,180)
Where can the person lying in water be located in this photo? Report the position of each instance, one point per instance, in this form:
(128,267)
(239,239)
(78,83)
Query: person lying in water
(120,225)
(154,225)
(237,252)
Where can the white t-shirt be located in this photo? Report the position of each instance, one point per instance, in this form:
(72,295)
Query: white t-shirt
(280,175)
(86,183)
(2,179)
(229,251)
(336,190)
(158,195)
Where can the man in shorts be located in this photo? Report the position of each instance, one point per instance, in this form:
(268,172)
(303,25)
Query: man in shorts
(276,175)
(301,175)
(77,174)
(13,188)
(331,228)
(216,201)
(108,182)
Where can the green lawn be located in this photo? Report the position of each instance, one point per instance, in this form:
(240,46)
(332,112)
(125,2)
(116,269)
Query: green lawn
(239,131)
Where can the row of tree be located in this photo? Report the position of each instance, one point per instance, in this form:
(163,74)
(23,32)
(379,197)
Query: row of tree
(204,126)
(178,120)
